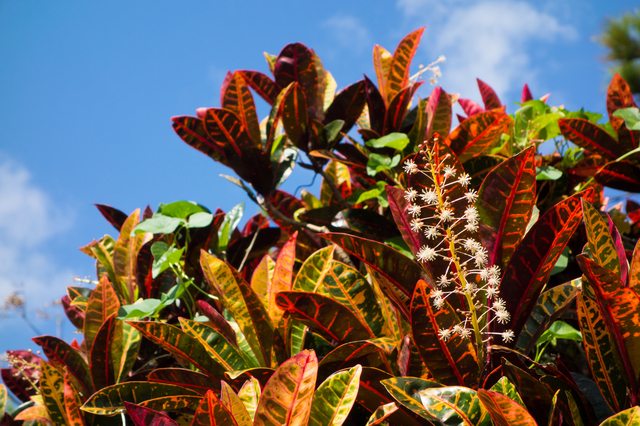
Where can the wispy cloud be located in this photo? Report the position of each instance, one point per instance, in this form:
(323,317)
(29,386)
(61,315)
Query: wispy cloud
(29,218)
(488,39)
(348,33)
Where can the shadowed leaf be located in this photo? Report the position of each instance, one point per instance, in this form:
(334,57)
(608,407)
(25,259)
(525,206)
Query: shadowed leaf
(211,412)
(101,361)
(114,216)
(397,109)
(347,106)
(142,416)
(622,175)
(197,382)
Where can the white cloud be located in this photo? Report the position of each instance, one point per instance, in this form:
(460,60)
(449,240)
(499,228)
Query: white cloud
(349,33)
(28,220)
(487,39)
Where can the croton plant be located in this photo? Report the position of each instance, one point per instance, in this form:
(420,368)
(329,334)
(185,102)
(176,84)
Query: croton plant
(441,276)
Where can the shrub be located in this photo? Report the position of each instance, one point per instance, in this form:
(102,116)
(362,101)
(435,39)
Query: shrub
(441,277)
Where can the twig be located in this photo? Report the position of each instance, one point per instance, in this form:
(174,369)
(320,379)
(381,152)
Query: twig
(246,253)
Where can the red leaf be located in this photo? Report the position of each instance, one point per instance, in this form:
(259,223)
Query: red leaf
(618,96)
(377,106)
(478,134)
(142,416)
(113,215)
(398,76)
(297,63)
(622,175)
(526,94)
(531,263)
(238,99)
(191,130)
(347,105)
(398,109)
(505,202)
(470,107)
(590,136)
(489,97)
(102,368)
(266,88)
(190,379)
(439,113)
(223,90)
(295,119)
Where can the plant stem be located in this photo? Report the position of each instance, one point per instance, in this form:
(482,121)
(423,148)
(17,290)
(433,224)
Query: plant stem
(246,253)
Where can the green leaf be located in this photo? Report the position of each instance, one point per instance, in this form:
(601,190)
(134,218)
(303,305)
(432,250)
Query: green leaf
(249,394)
(601,242)
(562,263)
(393,140)
(164,256)
(379,162)
(102,304)
(455,405)
(628,417)
(334,398)
(506,388)
(382,413)
(399,244)
(631,117)
(231,221)
(110,400)
(560,330)
(200,220)
(3,400)
(234,404)
(180,209)
(158,224)
(377,191)
(141,309)
(124,349)
(212,412)
(287,397)
(52,392)
(547,173)
(313,270)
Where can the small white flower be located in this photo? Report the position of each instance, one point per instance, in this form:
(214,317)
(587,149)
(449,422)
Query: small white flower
(493,281)
(443,281)
(507,336)
(445,334)
(469,287)
(446,215)
(484,274)
(410,167)
(502,316)
(499,305)
(471,226)
(426,254)
(464,179)
(414,210)
(471,214)
(495,271)
(480,258)
(459,329)
(416,225)
(438,294)
(429,196)
(441,58)
(431,232)
(491,291)
(449,172)
(410,195)
(438,303)
(471,196)
(472,245)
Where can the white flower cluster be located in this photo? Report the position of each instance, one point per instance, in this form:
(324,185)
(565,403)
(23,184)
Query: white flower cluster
(452,226)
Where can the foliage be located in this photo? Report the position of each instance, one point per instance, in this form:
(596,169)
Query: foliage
(621,37)
(442,276)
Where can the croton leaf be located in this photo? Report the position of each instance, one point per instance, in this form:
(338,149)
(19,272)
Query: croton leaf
(376,106)
(478,134)
(541,247)
(505,203)
(397,109)
(297,63)
(101,361)
(536,396)
(286,399)
(347,106)
(181,344)
(282,276)
(238,99)
(439,112)
(451,362)
(72,410)
(349,288)
(505,411)
(197,382)
(103,303)
(125,256)
(212,412)
(398,74)
(142,416)
(110,400)
(406,391)
(470,107)
(382,413)
(333,399)
(114,216)
(504,387)
(398,269)
(324,315)
(124,349)
(622,175)
(628,417)
(313,270)
(362,352)
(619,96)
(455,404)
(242,303)
(62,356)
(52,392)
(590,136)
(216,345)
(249,394)
(601,244)
(295,119)
(489,97)
(266,88)
(191,130)
(601,353)
(234,404)
(381,62)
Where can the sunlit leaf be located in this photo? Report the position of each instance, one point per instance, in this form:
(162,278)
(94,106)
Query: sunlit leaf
(333,399)
(234,404)
(504,411)
(455,404)
(52,392)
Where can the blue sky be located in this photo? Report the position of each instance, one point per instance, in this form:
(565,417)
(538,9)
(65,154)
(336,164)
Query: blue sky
(87,90)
